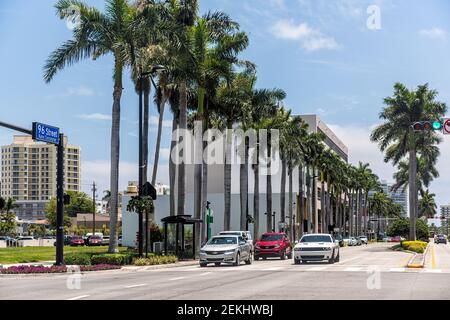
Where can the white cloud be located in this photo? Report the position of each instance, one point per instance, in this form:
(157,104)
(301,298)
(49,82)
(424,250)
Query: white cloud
(434,33)
(311,39)
(154,121)
(95,116)
(81,91)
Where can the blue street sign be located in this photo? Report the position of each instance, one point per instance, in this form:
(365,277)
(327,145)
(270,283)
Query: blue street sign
(45,133)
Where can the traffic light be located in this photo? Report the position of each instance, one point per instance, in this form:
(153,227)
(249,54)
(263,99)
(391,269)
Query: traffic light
(427,126)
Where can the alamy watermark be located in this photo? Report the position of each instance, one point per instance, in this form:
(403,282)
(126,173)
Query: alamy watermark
(73,17)
(374,19)
(232,146)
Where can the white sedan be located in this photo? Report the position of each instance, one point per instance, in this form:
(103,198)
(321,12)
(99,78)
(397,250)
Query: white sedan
(316,247)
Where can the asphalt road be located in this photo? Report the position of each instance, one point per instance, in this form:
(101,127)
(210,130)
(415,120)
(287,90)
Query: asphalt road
(367,272)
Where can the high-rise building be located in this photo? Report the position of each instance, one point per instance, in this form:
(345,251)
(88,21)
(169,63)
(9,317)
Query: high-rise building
(28,174)
(400,196)
(445,211)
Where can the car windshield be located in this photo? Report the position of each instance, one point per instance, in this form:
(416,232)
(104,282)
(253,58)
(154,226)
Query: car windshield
(271,237)
(223,240)
(96,238)
(317,238)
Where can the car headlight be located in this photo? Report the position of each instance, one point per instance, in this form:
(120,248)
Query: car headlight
(202,252)
(229,251)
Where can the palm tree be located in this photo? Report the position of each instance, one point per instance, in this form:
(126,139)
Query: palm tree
(397,138)
(97,35)
(427,205)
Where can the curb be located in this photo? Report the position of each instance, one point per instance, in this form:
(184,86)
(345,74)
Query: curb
(420,265)
(159,266)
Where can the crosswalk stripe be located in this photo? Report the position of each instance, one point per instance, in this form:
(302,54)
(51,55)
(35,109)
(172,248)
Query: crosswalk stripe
(433,270)
(353,269)
(397,270)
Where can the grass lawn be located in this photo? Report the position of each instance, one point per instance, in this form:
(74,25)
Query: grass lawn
(40,254)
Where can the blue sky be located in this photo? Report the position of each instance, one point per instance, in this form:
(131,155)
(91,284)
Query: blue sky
(319,51)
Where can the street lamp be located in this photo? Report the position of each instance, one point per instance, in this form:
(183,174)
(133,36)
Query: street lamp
(142,165)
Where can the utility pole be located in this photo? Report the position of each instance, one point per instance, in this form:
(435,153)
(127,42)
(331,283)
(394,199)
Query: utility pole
(94,189)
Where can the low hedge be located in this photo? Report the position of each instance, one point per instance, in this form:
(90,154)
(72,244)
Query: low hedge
(78,259)
(84,259)
(155,260)
(415,246)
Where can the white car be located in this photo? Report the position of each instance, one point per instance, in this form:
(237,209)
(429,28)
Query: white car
(247,235)
(225,249)
(316,247)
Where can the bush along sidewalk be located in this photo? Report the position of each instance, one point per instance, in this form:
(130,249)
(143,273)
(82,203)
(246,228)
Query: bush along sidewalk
(155,260)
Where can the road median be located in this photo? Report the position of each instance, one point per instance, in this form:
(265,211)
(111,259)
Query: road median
(418,260)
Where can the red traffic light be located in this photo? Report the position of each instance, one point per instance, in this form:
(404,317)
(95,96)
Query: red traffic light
(418,126)
(427,126)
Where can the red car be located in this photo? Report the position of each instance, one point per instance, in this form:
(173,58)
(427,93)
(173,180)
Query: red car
(95,241)
(77,241)
(274,244)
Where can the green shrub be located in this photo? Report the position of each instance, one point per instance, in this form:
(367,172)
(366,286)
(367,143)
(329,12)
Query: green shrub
(415,246)
(78,259)
(118,259)
(155,260)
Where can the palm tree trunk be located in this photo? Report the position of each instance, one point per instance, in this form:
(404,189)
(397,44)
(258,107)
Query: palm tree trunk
(270,227)
(182,165)
(283,190)
(205,174)
(227,178)
(158,138)
(350,218)
(301,217)
(243,185)
(291,202)
(172,169)
(308,198)
(146,91)
(322,207)
(115,156)
(314,202)
(256,198)
(412,193)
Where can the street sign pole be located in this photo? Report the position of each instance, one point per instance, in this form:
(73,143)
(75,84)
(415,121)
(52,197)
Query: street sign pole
(60,203)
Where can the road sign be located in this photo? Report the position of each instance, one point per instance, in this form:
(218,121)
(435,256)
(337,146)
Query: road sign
(446,126)
(45,133)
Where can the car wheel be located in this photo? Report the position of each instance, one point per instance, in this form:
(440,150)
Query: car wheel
(256,258)
(237,262)
(203,265)
(296,261)
(338,257)
(264,258)
(283,255)
(249,260)
(331,261)
(289,255)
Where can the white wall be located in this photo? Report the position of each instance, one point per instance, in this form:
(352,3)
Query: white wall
(130,220)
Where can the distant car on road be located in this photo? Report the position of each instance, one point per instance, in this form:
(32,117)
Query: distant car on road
(356,241)
(340,240)
(77,241)
(316,247)
(440,238)
(363,239)
(247,235)
(105,240)
(273,244)
(225,249)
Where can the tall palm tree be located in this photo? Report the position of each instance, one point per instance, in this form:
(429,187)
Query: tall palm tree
(427,205)
(397,138)
(99,34)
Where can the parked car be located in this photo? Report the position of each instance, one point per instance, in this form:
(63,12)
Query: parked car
(347,241)
(105,240)
(25,238)
(225,249)
(316,247)
(396,239)
(120,241)
(440,238)
(340,240)
(77,241)
(245,234)
(364,239)
(274,244)
(356,241)
(95,241)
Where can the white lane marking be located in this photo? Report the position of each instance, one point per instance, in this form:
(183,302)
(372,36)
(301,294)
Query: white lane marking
(204,274)
(78,298)
(179,278)
(316,269)
(433,270)
(272,269)
(136,285)
(352,269)
(397,270)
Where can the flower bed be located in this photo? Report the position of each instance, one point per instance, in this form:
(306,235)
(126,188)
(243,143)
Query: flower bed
(155,260)
(99,267)
(415,246)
